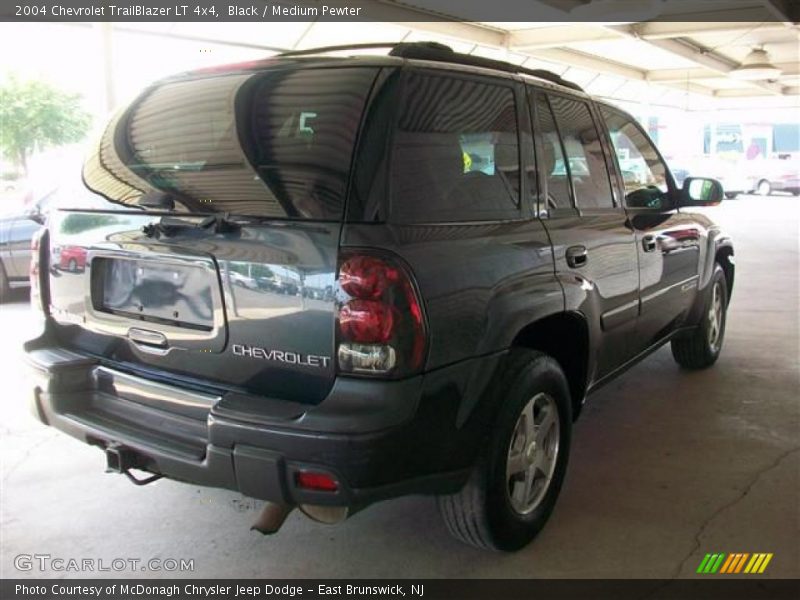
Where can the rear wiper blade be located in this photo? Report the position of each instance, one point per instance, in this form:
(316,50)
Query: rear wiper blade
(169,226)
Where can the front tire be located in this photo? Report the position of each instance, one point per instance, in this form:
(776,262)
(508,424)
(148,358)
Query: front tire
(763,188)
(701,348)
(514,486)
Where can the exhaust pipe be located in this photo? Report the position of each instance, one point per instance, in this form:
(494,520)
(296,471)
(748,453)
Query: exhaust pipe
(271,518)
(329,515)
(273,515)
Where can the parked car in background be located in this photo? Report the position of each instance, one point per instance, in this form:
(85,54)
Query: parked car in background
(16,232)
(761,176)
(734,183)
(72,258)
(780,174)
(23,212)
(732,174)
(241,279)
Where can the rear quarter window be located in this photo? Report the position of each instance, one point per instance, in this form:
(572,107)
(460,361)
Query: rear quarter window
(455,153)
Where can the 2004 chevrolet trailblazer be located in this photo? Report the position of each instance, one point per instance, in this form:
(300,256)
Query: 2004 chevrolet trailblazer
(325,282)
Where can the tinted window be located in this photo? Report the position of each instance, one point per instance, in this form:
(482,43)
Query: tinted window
(552,161)
(587,165)
(455,154)
(643,172)
(275,143)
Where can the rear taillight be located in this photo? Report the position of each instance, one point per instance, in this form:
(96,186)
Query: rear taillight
(380,324)
(35,270)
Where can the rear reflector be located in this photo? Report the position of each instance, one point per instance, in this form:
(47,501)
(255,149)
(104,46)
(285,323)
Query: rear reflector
(320,482)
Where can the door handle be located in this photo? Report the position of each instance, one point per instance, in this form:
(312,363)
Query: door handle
(577,256)
(649,243)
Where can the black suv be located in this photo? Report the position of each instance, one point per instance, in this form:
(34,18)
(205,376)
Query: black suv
(325,282)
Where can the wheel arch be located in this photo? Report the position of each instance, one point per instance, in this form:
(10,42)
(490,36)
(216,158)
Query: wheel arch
(565,337)
(724,256)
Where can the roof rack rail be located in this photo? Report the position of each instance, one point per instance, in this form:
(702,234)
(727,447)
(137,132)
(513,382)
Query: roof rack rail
(435,51)
(440,52)
(326,49)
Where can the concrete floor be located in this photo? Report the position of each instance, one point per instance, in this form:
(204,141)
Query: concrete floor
(667,465)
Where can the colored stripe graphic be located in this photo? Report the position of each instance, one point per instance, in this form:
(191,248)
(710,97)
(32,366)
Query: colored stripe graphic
(702,567)
(764,564)
(717,563)
(738,562)
(736,557)
(727,563)
(710,564)
(754,563)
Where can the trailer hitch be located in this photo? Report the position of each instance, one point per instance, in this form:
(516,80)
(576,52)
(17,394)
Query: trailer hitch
(121,460)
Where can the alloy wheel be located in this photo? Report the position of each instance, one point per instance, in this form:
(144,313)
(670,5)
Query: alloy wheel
(532,453)
(715,312)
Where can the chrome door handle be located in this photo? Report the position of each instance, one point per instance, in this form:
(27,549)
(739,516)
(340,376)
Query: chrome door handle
(577,256)
(649,243)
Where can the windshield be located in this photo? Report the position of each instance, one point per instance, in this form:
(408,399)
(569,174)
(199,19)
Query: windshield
(273,144)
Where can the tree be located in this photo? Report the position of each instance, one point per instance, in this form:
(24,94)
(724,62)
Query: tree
(35,115)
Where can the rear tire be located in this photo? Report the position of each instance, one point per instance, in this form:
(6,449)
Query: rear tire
(731,195)
(763,188)
(701,348)
(515,484)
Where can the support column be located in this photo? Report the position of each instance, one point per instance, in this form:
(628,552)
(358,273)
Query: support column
(105,45)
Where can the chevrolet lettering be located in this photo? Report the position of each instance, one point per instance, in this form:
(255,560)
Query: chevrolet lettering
(291,358)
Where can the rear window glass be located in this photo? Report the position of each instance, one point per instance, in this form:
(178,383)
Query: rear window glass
(275,144)
(455,153)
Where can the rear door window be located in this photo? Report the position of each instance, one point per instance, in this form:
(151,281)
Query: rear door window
(455,154)
(585,158)
(276,143)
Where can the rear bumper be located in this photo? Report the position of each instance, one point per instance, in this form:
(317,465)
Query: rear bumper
(411,445)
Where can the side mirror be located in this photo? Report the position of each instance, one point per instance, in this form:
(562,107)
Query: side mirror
(701,191)
(35,214)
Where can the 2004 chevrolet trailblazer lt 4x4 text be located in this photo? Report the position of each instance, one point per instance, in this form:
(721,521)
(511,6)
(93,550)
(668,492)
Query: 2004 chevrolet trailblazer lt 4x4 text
(325,282)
